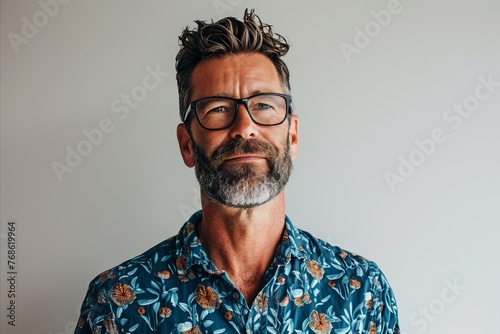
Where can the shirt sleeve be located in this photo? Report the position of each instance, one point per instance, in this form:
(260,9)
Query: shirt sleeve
(388,322)
(93,311)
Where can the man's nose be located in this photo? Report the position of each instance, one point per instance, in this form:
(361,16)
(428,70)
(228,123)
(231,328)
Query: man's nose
(243,126)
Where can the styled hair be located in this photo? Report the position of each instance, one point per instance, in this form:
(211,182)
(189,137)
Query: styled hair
(227,36)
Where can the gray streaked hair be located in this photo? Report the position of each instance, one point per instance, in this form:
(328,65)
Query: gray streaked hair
(227,36)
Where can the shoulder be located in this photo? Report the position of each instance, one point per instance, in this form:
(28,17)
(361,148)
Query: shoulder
(341,266)
(350,279)
(121,283)
(337,280)
(114,290)
(150,263)
(328,254)
(154,266)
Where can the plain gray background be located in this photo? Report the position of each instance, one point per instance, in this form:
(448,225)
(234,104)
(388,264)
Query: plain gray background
(360,116)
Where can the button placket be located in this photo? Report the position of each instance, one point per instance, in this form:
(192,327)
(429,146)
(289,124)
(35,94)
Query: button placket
(235,294)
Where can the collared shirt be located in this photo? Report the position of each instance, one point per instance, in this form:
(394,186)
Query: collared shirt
(311,287)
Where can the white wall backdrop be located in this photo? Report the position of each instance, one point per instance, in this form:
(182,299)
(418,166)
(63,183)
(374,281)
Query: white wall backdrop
(399,146)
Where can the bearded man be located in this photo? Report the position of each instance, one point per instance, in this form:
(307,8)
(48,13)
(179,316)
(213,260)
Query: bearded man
(239,265)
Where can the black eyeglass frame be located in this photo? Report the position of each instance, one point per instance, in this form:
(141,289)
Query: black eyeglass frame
(237,102)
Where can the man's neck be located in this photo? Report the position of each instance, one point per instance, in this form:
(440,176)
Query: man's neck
(242,242)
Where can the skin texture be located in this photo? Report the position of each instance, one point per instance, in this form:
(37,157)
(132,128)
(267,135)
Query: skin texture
(241,242)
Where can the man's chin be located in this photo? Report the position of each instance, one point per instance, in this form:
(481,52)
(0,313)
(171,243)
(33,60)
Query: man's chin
(244,172)
(245,201)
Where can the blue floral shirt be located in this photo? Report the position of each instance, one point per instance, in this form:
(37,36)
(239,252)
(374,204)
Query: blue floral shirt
(311,287)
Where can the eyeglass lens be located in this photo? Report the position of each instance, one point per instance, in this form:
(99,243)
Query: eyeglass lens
(218,112)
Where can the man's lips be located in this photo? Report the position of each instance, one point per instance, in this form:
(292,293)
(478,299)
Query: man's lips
(245,158)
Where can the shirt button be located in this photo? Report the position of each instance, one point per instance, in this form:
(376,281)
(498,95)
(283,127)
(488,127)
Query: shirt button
(236,295)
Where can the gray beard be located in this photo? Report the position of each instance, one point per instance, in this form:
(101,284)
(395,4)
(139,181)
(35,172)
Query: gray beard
(242,186)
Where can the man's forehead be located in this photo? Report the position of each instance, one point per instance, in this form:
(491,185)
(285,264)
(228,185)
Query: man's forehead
(252,92)
(220,76)
(235,62)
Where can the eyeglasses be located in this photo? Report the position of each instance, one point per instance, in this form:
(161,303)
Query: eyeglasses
(215,113)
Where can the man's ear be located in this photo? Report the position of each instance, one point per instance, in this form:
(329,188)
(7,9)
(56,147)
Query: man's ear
(293,136)
(185,145)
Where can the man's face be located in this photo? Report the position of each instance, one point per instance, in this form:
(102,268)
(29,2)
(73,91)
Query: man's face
(246,164)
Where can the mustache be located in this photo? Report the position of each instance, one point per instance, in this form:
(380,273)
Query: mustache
(242,146)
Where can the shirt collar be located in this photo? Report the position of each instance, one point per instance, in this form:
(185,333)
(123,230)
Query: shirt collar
(189,249)
(293,244)
(188,246)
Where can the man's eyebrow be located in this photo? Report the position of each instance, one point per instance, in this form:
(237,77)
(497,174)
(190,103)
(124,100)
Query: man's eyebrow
(220,95)
(252,93)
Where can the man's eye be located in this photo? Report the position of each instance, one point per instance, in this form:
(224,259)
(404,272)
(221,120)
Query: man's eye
(262,106)
(220,109)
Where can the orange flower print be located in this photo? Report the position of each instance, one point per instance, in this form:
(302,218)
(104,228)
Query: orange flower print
(369,304)
(281,280)
(284,301)
(164,312)
(190,228)
(81,322)
(343,255)
(186,276)
(207,297)
(354,283)
(300,298)
(332,284)
(165,274)
(299,301)
(180,262)
(191,274)
(141,310)
(314,269)
(373,328)
(105,275)
(318,323)
(122,294)
(260,302)
(109,323)
(102,298)
(194,330)
(228,315)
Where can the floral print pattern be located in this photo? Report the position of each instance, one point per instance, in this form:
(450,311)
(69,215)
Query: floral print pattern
(312,287)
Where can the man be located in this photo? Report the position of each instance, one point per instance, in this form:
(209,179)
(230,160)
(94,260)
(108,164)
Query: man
(239,265)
